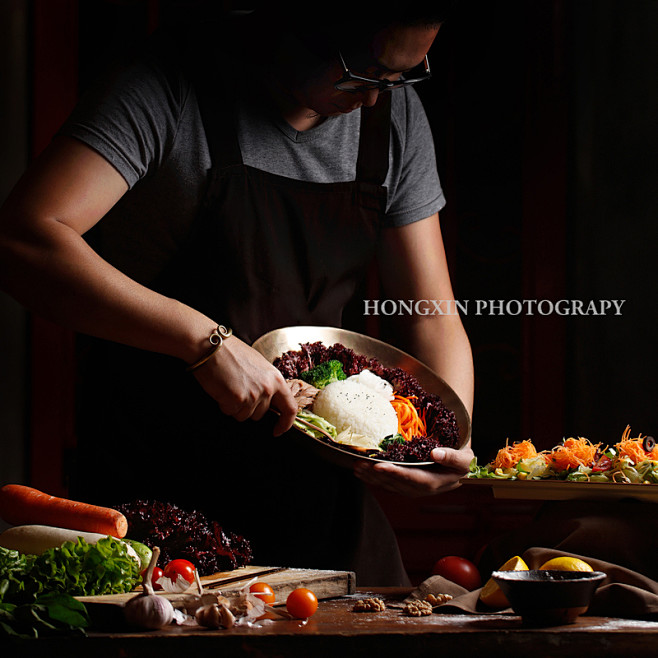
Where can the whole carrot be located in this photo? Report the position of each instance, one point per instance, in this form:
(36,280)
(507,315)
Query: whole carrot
(21,505)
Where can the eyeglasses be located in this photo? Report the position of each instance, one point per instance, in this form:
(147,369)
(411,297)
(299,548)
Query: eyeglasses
(352,82)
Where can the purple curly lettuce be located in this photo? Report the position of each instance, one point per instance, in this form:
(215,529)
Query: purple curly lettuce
(187,535)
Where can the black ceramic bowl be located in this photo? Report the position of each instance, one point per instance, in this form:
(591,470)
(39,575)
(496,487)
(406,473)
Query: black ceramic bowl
(548,598)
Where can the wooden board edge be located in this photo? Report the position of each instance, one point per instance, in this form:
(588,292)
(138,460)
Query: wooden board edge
(324,584)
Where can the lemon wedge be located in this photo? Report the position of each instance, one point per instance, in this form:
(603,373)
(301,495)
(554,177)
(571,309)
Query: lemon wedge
(491,594)
(564,563)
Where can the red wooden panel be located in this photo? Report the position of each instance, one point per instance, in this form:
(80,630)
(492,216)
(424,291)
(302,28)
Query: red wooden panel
(56,54)
(55,67)
(54,93)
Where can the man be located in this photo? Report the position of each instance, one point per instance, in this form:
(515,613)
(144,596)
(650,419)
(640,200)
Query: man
(248,182)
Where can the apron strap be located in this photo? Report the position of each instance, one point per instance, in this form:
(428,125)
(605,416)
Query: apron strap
(220,124)
(372,163)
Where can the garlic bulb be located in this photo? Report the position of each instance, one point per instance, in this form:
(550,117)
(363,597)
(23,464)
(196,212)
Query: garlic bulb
(215,616)
(148,610)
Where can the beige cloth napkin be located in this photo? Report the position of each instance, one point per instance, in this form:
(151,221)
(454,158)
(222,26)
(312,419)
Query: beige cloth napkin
(620,539)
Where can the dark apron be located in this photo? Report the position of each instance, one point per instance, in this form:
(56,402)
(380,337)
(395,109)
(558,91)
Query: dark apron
(265,252)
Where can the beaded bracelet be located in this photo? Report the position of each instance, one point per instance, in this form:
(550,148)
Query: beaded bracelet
(216,339)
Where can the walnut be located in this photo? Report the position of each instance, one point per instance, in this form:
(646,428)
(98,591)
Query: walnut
(369,605)
(418,608)
(437,599)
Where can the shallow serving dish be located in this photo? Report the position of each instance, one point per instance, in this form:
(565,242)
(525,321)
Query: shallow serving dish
(546,597)
(565,490)
(275,343)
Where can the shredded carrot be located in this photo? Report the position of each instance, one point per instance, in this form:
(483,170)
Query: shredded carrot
(572,454)
(410,423)
(634,448)
(511,455)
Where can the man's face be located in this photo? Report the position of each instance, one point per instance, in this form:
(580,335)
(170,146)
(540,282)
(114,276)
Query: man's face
(388,55)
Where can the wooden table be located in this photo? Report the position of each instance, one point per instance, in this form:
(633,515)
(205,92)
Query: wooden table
(336,631)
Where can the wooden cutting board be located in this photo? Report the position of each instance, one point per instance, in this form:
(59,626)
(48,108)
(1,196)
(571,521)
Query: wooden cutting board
(325,584)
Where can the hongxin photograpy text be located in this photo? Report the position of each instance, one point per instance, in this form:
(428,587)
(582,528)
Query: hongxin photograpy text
(570,307)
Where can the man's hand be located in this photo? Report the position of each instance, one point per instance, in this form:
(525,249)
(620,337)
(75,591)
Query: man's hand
(451,466)
(246,385)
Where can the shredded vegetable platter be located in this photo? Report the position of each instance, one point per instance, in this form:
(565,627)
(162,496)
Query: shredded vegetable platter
(576,468)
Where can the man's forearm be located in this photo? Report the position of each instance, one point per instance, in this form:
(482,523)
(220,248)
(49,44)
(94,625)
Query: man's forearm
(46,264)
(54,273)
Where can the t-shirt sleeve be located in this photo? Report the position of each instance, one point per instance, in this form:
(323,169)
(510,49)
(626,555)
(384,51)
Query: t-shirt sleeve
(131,117)
(414,187)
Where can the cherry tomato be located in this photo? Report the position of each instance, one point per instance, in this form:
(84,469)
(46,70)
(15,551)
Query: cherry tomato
(301,603)
(182,568)
(459,570)
(157,573)
(263,591)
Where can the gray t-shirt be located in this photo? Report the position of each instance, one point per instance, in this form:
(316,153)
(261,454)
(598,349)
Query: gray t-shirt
(146,122)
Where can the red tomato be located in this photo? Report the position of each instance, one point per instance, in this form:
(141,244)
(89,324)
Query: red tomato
(157,573)
(263,591)
(182,568)
(459,570)
(301,603)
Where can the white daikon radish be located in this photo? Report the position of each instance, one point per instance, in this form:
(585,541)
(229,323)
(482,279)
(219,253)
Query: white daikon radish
(35,539)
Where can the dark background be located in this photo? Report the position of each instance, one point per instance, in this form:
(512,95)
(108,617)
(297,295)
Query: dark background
(545,123)
(544,118)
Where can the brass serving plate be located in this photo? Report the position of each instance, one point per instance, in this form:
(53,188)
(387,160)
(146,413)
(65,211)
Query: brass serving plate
(275,343)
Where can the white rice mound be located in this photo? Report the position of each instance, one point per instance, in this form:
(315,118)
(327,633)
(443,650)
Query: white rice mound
(349,404)
(375,382)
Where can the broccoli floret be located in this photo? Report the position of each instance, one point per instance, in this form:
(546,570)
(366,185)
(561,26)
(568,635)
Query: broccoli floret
(324,373)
